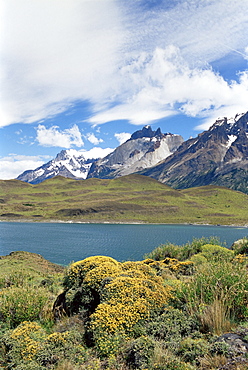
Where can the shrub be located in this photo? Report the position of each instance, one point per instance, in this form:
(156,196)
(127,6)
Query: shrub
(173,363)
(127,301)
(191,349)
(18,304)
(23,342)
(172,326)
(29,346)
(182,252)
(173,265)
(139,352)
(117,297)
(60,346)
(77,271)
(83,282)
(213,253)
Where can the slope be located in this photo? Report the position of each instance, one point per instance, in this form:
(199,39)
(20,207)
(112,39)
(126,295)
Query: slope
(132,198)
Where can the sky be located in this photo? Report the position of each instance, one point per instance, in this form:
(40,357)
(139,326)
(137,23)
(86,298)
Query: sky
(86,74)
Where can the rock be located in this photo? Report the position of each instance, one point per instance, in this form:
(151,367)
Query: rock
(240,246)
(236,342)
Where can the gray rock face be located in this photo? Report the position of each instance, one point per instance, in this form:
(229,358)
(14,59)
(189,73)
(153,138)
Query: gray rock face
(68,163)
(236,342)
(218,156)
(238,349)
(144,149)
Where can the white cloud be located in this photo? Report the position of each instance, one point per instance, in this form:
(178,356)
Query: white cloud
(165,84)
(54,137)
(122,137)
(55,52)
(246,53)
(96,152)
(93,139)
(203,30)
(13,165)
(105,52)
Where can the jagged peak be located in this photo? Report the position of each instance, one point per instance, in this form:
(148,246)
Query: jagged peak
(146,131)
(230,122)
(68,153)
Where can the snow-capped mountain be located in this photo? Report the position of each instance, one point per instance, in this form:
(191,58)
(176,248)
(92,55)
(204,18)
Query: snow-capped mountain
(144,149)
(68,163)
(218,156)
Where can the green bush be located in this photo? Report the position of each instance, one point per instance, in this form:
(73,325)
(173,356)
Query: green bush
(139,352)
(212,253)
(19,304)
(190,350)
(172,326)
(181,252)
(173,363)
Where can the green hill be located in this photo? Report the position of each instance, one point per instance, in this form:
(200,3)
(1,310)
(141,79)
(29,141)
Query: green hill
(132,198)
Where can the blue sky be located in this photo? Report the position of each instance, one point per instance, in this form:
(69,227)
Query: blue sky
(85,74)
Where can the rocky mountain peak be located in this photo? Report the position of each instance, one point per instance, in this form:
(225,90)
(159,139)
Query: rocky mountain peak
(146,132)
(218,156)
(68,163)
(144,149)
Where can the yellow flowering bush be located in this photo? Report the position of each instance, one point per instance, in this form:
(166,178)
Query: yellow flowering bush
(30,344)
(127,302)
(173,265)
(96,276)
(115,297)
(77,270)
(25,340)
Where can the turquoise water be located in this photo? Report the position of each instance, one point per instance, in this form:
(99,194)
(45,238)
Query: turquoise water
(63,243)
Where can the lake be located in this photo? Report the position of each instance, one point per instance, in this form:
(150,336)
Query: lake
(63,243)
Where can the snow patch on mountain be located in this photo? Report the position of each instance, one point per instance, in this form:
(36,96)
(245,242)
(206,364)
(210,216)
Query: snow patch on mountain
(68,163)
(231,139)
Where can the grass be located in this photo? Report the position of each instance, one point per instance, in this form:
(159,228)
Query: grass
(132,198)
(31,263)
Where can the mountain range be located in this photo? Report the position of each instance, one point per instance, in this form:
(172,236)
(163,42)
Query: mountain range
(218,156)
(144,149)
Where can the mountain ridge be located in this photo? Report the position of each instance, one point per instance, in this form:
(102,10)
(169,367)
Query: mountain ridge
(144,149)
(68,163)
(218,156)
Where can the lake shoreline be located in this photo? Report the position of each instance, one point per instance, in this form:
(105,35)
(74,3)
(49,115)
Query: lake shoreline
(117,222)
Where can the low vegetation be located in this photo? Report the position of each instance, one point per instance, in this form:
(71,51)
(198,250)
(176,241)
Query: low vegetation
(132,198)
(172,310)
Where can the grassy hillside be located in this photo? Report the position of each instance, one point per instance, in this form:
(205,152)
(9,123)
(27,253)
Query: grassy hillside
(132,198)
